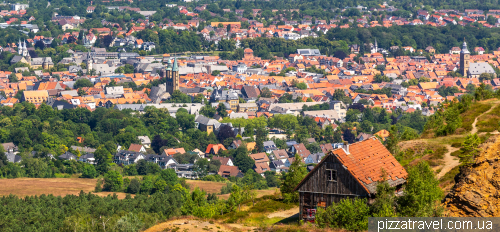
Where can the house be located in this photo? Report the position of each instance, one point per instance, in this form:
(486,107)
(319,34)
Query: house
(127,157)
(237,143)
(352,171)
(137,148)
(281,155)
(383,134)
(13,158)
(278,166)
(163,161)
(68,156)
(10,147)
(145,141)
(314,158)
(227,171)
(185,171)
(260,157)
(172,151)
(224,160)
(36,97)
(261,168)
(325,148)
(363,136)
(214,149)
(87,158)
(269,146)
(206,124)
(301,150)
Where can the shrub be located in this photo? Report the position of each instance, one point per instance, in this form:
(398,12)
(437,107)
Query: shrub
(89,171)
(349,214)
(134,186)
(113,181)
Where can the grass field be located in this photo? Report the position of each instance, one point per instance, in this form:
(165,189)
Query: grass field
(208,186)
(56,186)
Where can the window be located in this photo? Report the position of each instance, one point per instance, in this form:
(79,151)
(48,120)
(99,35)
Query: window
(331,175)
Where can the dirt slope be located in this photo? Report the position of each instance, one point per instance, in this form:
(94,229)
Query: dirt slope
(477,192)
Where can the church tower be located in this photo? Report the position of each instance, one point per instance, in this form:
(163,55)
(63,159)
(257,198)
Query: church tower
(175,76)
(89,62)
(464,60)
(20,48)
(172,76)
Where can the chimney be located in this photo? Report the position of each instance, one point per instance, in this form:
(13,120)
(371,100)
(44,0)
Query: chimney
(346,147)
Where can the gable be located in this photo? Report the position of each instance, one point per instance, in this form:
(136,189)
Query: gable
(346,184)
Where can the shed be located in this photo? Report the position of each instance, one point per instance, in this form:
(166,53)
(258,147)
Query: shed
(352,171)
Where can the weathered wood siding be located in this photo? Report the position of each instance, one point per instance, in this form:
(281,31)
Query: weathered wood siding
(346,184)
(316,191)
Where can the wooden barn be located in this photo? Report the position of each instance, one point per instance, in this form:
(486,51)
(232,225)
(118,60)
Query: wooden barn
(352,171)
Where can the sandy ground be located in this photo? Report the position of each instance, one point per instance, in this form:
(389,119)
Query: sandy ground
(450,161)
(189,225)
(285,214)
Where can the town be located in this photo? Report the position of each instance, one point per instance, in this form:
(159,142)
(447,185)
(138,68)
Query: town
(345,107)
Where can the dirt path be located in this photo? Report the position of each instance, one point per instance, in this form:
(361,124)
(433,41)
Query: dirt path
(450,161)
(188,225)
(474,127)
(285,214)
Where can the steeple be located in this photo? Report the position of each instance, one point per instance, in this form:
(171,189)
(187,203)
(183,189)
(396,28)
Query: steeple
(376,46)
(464,48)
(20,48)
(175,68)
(169,64)
(464,60)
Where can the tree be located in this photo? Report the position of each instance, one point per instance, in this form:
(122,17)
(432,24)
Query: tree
(225,132)
(266,93)
(82,83)
(422,194)
(470,148)
(214,165)
(486,77)
(292,178)
(379,78)
(113,181)
(313,147)
(134,186)
(349,136)
(221,110)
(13,78)
(208,111)
(169,176)
(242,160)
(199,98)
(201,167)
(215,73)
(339,95)
(271,179)
(103,159)
(89,171)
(301,85)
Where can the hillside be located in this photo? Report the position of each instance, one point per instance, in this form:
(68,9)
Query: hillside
(471,189)
(476,193)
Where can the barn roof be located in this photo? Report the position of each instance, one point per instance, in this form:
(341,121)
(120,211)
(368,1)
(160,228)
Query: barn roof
(365,161)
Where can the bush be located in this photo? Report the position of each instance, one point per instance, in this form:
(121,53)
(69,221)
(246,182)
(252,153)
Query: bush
(89,171)
(134,187)
(113,181)
(349,214)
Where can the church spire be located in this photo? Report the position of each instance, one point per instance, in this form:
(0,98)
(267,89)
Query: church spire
(464,47)
(175,68)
